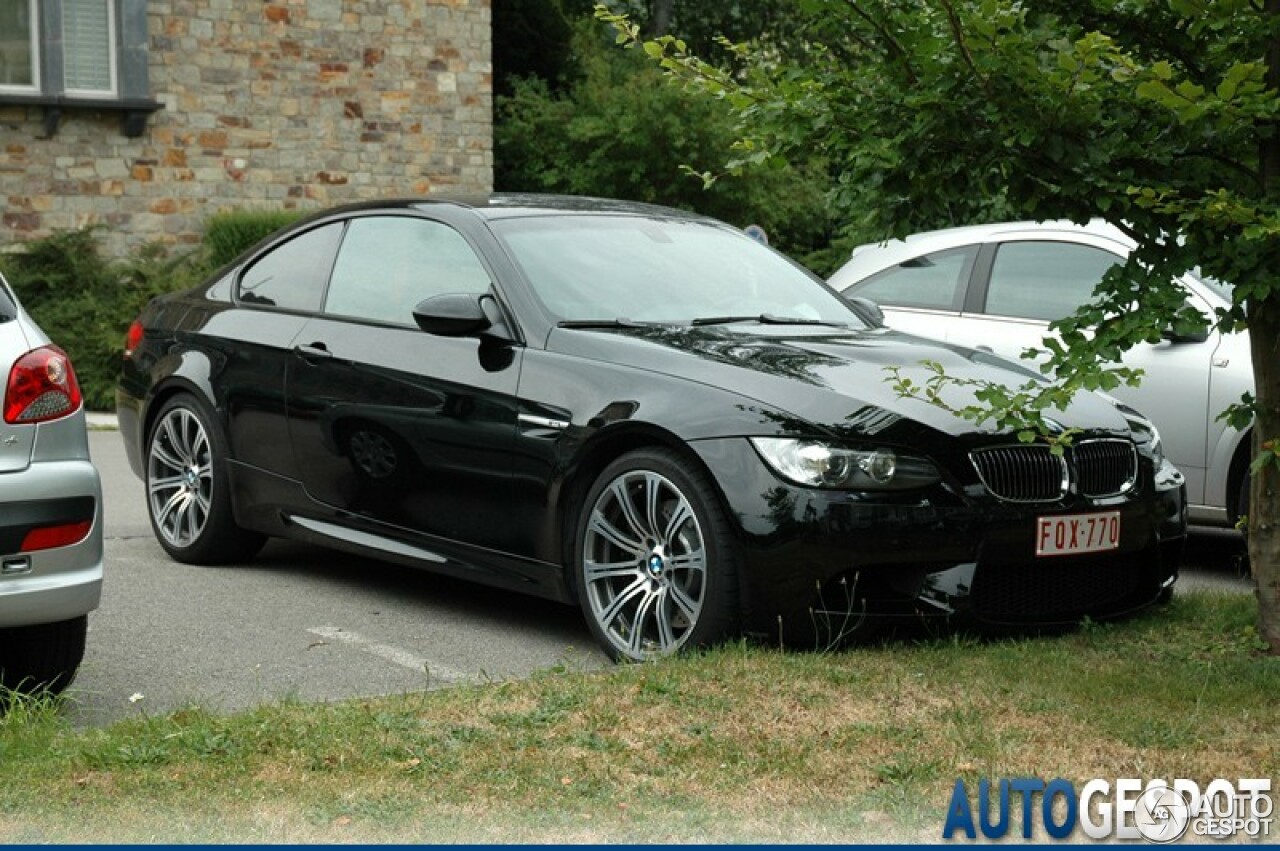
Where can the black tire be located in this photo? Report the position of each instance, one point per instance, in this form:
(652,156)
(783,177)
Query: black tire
(42,658)
(1241,508)
(672,572)
(188,490)
(1241,521)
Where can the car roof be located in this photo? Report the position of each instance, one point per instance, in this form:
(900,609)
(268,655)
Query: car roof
(871,257)
(506,205)
(510,205)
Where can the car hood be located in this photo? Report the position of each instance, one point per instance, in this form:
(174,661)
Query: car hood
(839,382)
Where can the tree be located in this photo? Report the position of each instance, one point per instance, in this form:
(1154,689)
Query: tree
(618,129)
(1160,116)
(531,39)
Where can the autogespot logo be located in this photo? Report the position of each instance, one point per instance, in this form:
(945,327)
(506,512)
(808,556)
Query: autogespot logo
(1126,809)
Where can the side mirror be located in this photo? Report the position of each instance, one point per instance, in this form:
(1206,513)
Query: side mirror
(1194,337)
(867,309)
(1186,329)
(452,315)
(464,315)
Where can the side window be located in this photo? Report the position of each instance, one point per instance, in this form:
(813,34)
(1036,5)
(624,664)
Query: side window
(1045,280)
(933,280)
(390,263)
(8,310)
(293,275)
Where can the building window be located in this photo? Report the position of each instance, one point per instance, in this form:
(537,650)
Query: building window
(19,47)
(89,47)
(77,54)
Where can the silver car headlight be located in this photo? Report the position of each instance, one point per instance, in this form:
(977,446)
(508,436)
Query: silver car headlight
(816,464)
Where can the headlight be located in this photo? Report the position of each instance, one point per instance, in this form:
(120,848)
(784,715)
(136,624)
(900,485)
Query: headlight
(1144,431)
(815,464)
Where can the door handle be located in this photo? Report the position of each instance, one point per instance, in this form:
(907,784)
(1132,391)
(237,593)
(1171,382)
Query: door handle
(313,352)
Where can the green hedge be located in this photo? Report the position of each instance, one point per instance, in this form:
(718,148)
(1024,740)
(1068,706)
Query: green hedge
(227,235)
(86,302)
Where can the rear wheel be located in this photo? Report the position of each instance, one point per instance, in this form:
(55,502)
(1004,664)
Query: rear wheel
(188,491)
(43,657)
(655,565)
(1241,516)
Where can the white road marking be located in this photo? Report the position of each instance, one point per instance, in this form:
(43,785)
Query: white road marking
(399,656)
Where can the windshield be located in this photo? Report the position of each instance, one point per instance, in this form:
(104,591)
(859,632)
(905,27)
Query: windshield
(588,268)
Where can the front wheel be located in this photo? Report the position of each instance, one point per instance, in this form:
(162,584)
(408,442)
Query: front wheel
(655,564)
(188,490)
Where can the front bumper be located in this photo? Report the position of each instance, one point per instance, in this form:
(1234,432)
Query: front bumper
(819,565)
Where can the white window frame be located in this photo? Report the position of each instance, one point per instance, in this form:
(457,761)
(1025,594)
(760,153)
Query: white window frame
(33,15)
(113,44)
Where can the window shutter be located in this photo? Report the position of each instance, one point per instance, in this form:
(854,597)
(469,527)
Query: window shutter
(87,39)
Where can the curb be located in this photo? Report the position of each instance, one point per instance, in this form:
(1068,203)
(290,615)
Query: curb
(101,419)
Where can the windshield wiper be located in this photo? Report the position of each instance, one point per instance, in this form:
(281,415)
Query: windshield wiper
(765,319)
(620,322)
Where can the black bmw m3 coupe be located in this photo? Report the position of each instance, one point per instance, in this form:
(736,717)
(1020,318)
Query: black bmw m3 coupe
(630,408)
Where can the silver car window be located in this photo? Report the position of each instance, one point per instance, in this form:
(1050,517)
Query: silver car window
(8,308)
(1045,280)
(933,281)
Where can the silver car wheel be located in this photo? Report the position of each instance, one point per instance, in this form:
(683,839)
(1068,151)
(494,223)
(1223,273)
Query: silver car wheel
(644,565)
(180,477)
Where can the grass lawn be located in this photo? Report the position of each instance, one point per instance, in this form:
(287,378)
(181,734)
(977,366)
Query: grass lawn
(742,743)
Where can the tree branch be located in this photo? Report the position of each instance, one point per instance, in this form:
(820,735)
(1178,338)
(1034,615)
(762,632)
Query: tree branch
(957,32)
(1251,173)
(893,46)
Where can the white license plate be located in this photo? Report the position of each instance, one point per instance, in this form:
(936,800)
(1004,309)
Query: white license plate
(1069,534)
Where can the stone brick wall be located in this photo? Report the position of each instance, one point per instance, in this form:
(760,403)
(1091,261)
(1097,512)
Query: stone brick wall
(284,104)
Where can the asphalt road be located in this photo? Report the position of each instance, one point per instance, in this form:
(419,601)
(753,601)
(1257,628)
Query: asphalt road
(306,623)
(296,622)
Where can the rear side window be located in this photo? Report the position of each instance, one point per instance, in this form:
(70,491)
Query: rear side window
(8,309)
(293,275)
(390,263)
(1045,280)
(932,280)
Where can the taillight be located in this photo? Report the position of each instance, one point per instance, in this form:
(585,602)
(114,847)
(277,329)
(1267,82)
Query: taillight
(133,338)
(42,386)
(48,537)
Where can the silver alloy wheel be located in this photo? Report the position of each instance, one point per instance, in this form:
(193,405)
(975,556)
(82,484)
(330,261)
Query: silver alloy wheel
(180,477)
(644,565)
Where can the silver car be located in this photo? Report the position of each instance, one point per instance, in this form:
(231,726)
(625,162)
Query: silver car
(997,287)
(50,510)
